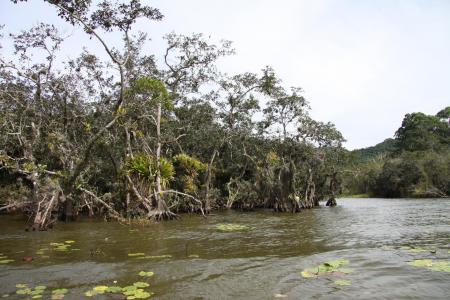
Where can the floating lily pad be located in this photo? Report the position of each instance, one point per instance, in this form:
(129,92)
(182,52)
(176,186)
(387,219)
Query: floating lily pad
(23,291)
(90,293)
(421,263)
(443,266)
(113,289)
(21,285)
(61,291)
(330,267)
(146,274)
(193,256)
(342,282)
(69,242)
(136,254)
(232,227)
(36,297)
(141,284)
(308,274)
(6,261)
(155,256)
(129,288)
(5,295)
(100,289)
(3,257)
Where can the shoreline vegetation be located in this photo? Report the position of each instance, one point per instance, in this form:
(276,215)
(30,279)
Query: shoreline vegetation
(126,133)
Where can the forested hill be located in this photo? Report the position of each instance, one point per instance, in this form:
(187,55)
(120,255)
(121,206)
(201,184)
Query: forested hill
(384,148)
(416,163)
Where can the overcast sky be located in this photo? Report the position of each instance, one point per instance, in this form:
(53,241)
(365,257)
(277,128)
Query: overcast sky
(362,64)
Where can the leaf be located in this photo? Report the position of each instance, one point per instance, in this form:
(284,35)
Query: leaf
(421,263)
(6,261)
(61,291)
(308,274)
(90,293)
(443,266)
(136,254)
(342,282)
(155,256)
(146,274)
(69,242)
(100,288)
(114,289)
(21,285)
(232,227)
(23,292)
(141,284)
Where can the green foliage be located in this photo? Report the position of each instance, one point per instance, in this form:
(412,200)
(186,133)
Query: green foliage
(189,172)
(154,89)
(145,167)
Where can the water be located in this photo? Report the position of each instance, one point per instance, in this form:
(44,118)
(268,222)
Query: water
(263,263)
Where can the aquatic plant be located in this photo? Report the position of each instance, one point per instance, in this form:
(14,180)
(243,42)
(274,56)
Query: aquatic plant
(232,227)
(136,254)
(146,274)
(331,267)
(5,260)
(342,282)
(34,293)
(135,291)
(155,256)
(439,266)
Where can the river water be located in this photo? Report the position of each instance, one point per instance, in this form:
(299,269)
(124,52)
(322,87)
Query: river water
(192,259)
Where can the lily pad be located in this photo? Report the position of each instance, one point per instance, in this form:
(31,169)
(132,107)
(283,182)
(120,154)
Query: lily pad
(443,266)
(141,284)
(136,254)
(193,256)
(100,288)
(61,291)
(227,227)
(36,297)
(330,267)
(308,274)
(342,282)
(69,242)
(90,293)
(146,274)
(23,291)
(114,289)
(155,256)
(21,285)
(6,261)
(421,263)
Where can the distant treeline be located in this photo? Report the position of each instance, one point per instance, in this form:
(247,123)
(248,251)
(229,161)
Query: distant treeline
(416,163)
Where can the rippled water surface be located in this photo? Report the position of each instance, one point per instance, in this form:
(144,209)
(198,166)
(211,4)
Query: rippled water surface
(265,262)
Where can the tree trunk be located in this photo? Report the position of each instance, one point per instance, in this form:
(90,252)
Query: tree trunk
(208,183)
(162,211)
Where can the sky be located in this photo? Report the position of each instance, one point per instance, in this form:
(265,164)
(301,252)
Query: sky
(362,64)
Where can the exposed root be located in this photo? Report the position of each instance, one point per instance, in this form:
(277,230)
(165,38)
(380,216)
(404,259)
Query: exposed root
(159,215)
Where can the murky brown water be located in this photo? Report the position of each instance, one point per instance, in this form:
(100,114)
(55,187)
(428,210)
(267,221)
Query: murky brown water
(205,263)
